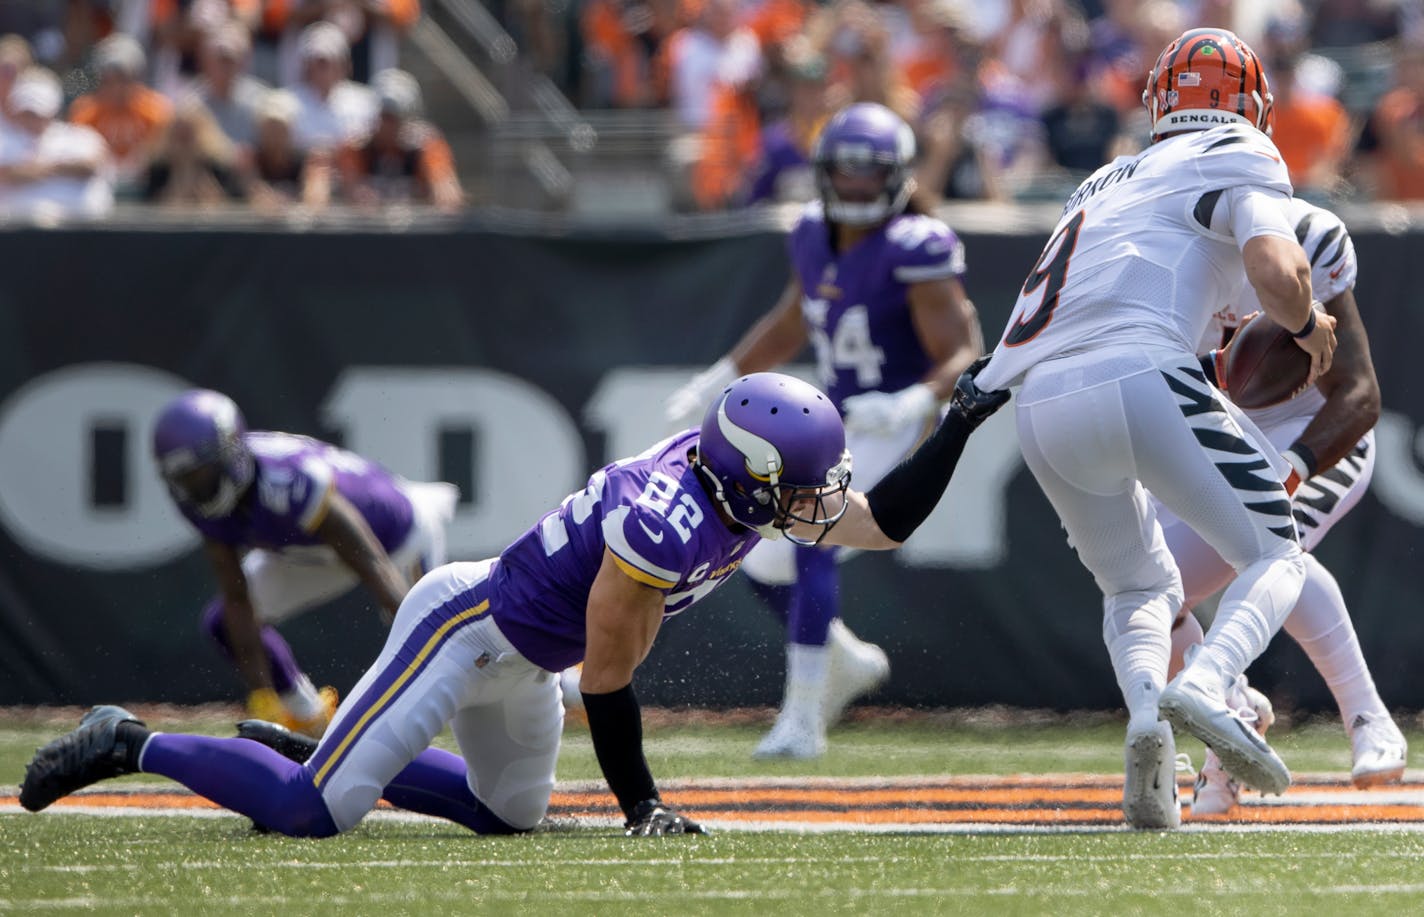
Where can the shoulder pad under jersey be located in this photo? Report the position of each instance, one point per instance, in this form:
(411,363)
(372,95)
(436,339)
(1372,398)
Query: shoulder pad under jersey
(1327,245)
(923,248)
(644,545)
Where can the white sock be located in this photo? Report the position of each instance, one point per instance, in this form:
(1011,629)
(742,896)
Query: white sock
(1185,635)
(1321,625)
(806,668)
(1252,610)
(303,700)
(1136,631)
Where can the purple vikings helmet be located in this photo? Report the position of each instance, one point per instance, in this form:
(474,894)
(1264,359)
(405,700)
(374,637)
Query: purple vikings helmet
(198,445)
(773,452)
(862,140)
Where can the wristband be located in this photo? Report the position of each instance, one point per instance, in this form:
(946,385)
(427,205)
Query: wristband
(1309,328)
(1302,459)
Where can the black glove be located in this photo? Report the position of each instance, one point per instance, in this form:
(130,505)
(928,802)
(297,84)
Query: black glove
(651,818)
(971,402)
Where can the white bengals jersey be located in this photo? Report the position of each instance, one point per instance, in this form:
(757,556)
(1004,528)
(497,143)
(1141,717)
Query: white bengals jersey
(1143,255)
(1332,271)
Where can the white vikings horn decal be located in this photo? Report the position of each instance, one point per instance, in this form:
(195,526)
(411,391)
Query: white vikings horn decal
(749,445)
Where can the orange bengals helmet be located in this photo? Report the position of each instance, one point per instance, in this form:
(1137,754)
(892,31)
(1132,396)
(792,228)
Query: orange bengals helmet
(1206,78)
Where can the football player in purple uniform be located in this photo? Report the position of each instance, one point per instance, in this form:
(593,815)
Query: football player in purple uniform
(877,288)
(479,646)
(288,523)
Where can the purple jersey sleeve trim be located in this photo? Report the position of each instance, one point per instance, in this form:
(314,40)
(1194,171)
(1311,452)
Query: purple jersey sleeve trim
(629,558)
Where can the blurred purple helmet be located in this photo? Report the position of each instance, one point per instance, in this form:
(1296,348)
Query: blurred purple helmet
(773,453)
(199,447)
(861,139)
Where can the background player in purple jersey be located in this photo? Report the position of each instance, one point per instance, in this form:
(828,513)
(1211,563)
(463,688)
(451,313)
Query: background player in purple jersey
(289,522)
(479,645)
(876,287)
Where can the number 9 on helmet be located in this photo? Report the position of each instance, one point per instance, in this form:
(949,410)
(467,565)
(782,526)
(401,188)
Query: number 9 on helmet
(772,451)
(1206,78)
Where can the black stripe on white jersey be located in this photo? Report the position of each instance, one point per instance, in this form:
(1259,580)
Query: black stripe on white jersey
(1250,475)
(1317,497)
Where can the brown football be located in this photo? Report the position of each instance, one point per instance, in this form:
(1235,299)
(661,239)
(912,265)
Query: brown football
(1264,365)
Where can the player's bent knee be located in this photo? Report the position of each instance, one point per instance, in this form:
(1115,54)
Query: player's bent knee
(521,811)
(301,812)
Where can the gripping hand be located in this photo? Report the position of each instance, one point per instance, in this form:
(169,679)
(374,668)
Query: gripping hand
(970,401)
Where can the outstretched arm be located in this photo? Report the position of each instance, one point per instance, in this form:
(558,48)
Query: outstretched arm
(350,536)
(239,619)
(889,512)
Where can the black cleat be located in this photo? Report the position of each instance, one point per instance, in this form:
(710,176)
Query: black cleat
(291,745)
(95,751)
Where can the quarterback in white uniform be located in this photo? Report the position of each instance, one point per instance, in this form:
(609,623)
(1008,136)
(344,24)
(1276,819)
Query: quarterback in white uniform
(1326,433)
(1113,402)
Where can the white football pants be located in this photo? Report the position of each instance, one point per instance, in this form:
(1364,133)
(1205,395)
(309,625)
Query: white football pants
(1096,443)
(445,661)
(282,584)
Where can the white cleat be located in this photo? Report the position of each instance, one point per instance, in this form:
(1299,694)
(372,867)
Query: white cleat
(1198,709)
(1379,751)
(1149,789)
(796,734)
(1215,793)
(855,667)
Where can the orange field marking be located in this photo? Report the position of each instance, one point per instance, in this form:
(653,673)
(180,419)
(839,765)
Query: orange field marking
(1045,800)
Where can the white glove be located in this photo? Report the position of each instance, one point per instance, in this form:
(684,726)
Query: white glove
(685,406)
(886,412)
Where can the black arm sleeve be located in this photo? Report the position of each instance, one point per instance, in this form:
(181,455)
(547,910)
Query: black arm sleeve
(905,497)
(615,723)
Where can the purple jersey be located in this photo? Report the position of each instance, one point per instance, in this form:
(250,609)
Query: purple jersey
(653,516)
(854,303)
(290,494)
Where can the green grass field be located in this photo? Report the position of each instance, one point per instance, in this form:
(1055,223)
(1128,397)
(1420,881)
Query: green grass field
(59,862)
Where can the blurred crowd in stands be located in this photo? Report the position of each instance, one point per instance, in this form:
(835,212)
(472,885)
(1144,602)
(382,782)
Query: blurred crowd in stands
(1010,99)
(272,104)
(280,104)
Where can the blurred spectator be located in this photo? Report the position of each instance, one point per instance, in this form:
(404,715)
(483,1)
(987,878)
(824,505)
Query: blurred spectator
(14,60)
(1312,130)
(1029,51)
(405,160)
(783,171)
(278,173)
(857,44)
(1080,132)
(193,164)
(226,88)
(622,39)
(372,29)
(1394,144)
(944,52)
(49,168)
(955,163)
(179,29)
(714,51)
(334,110)
(125,112)
(727,148)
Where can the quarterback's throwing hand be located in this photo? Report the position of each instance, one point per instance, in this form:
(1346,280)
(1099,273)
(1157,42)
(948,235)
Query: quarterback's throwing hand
(970,401)
(652,819)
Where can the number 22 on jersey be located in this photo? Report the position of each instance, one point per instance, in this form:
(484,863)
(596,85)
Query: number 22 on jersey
(1051,272)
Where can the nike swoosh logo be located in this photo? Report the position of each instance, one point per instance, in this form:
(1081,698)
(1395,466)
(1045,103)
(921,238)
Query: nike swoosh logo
(1267,155)
(1336,273)
(654,537)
